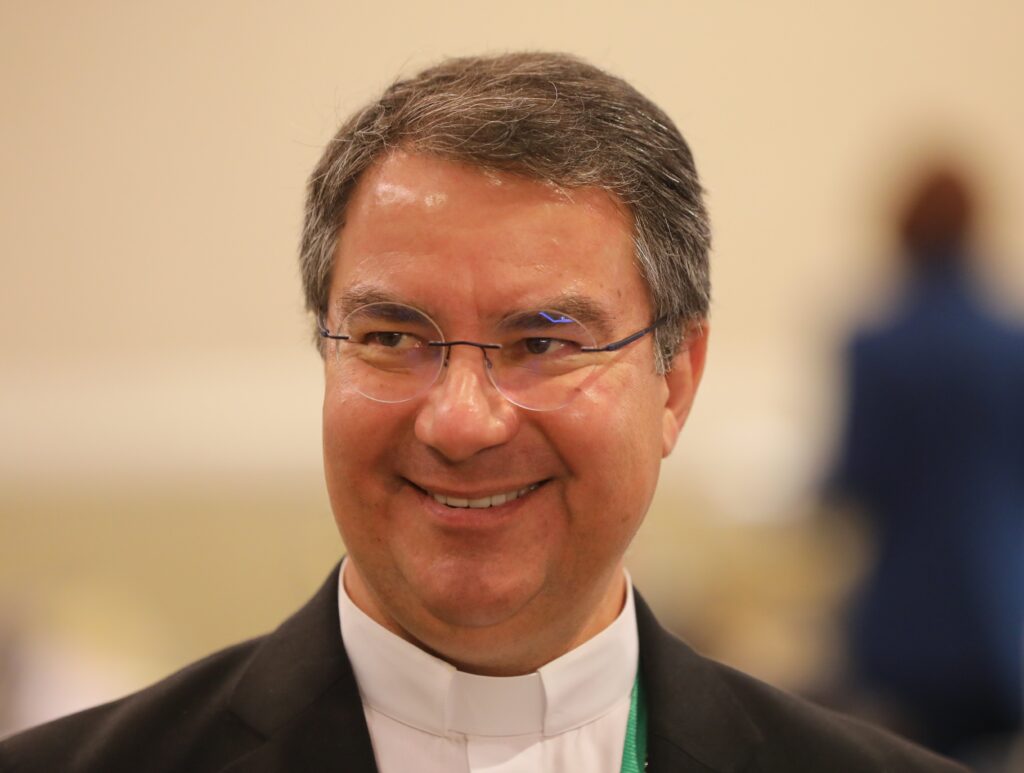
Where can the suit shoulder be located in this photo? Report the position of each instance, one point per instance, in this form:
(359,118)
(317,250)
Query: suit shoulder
(704,713)
(800,735)
(181,717)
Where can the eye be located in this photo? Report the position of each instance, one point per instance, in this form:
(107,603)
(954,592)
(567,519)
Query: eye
(383,338)
(390,339)
(544,345)
(544,342)
(538,345)
(547,348)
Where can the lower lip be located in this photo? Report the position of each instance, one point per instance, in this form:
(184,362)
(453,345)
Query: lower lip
(474,517)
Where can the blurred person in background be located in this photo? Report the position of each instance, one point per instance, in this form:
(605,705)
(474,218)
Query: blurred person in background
(933,453)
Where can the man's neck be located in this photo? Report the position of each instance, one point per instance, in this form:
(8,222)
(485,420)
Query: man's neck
(505,649)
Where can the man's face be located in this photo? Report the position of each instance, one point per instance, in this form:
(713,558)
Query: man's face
(522,580)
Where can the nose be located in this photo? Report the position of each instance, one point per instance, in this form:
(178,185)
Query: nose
(464,413)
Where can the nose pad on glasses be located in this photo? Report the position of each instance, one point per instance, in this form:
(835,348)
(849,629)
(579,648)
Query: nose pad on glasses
(488,365)
(464,412)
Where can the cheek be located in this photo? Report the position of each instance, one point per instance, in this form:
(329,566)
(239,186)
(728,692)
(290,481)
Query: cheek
(612,443)
(351,430)
(619,416)
(353,446)
(336,411)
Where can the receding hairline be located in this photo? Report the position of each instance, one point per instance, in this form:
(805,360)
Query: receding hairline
(564,192)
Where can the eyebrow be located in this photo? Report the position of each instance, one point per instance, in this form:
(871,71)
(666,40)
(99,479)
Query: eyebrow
(580,307)
(362,295)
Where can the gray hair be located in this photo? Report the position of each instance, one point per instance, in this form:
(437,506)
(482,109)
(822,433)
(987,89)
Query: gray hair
(546,116)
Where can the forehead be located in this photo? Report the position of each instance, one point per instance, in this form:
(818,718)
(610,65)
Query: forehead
(437,233)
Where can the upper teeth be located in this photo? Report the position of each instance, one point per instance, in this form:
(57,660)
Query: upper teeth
(491,501)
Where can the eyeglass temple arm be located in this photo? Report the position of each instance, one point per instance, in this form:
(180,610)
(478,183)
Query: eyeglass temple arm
(325,333)
(614,346)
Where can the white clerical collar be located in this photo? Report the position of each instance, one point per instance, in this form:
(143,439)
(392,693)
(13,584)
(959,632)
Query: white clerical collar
(417,689)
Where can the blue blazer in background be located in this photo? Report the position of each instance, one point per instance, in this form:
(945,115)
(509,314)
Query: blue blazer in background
(934,451)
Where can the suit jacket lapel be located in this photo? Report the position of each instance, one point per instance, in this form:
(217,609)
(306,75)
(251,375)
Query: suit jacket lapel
(695,724)
(299,692)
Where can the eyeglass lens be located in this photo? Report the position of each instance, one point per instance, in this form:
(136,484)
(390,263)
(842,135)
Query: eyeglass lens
(392,353)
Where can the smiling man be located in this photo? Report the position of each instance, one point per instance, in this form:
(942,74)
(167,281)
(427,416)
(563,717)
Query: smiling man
(485,521)
(506,258)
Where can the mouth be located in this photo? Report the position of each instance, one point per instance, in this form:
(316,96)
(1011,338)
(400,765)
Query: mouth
(480,502)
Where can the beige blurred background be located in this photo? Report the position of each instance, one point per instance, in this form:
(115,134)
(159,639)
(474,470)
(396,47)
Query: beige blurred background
(160,483)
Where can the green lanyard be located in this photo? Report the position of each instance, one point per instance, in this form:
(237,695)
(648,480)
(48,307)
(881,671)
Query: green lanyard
(634,754)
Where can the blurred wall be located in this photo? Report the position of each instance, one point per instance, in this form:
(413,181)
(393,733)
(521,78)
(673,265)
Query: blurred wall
(160,486)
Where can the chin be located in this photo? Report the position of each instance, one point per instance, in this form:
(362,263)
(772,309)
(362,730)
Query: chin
(478,603)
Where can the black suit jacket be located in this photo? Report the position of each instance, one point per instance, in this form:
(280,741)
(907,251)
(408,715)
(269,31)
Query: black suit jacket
(288,703)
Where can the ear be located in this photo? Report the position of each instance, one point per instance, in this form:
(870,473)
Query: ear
(683,380)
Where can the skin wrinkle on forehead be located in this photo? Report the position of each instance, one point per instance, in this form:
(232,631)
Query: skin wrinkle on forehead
(601,321)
